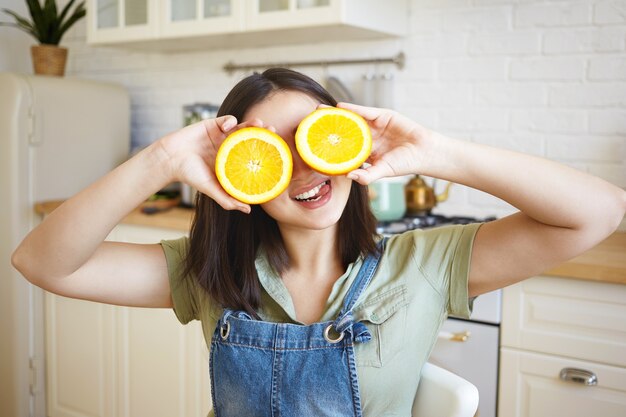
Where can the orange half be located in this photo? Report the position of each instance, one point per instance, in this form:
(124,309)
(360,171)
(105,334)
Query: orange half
(334,141)
(254,165)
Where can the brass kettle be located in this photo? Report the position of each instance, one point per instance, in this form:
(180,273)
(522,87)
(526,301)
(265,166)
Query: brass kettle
(421,198)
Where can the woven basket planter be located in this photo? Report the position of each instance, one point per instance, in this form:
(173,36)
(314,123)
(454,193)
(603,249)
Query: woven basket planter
(49,59)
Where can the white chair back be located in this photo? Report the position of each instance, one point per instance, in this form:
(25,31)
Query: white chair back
(444,394)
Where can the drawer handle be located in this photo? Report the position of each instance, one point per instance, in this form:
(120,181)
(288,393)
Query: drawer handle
(455,337)
(579,376)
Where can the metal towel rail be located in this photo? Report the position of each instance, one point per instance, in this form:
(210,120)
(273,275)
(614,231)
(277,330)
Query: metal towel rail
(398,60)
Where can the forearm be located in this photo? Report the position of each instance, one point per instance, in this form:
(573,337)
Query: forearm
(546,191)
(67,238)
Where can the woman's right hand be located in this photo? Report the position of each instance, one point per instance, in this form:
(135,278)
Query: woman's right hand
(85,266)
(192,152)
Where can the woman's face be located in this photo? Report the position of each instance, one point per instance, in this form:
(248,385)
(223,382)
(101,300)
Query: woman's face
(312,200)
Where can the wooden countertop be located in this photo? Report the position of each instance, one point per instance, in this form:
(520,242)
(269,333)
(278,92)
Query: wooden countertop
(177,218)
(605,262)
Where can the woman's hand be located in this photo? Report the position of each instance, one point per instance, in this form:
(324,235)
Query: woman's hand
(398,144)
(87,267)
(192,151)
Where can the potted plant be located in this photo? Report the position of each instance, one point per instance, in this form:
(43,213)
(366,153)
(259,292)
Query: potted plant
(48,27)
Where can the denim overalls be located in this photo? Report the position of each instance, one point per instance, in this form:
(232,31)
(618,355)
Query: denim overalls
(261,369)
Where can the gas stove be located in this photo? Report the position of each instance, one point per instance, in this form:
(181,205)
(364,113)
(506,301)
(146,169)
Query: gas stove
(424,222)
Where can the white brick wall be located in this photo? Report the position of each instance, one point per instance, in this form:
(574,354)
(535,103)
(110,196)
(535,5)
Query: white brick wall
(609,11)
(565,13)
(548,68)
(543,77)
(575,41)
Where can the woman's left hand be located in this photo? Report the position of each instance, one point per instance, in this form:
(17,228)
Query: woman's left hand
(398,144)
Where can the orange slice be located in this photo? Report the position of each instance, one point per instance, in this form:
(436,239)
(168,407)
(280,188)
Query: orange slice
(253,165)
(334,141)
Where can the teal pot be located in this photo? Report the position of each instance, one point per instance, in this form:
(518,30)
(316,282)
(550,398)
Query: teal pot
(387,198)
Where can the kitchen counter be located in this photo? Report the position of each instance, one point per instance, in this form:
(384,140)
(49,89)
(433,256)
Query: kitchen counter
(605,262)
(177,218)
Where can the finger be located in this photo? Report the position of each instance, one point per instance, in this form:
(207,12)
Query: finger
(370,174)
(229,203)
(215,191)
(368,113)
(323,106)
(247,123)
(255,122)
(226,123)
(250,123)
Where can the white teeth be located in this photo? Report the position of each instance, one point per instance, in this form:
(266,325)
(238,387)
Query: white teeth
(308,194)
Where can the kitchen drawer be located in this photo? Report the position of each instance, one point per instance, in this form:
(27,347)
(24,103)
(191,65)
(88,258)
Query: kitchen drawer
(530,387)
(567,317)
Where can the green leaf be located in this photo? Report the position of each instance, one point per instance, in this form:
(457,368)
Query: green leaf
(39,22)
(47,26)
(78,14)
(65,10)
(50,16)
(20,27)
(50,8)
(22,23)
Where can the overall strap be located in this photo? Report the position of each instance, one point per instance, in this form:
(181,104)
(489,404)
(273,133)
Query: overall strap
(345,320)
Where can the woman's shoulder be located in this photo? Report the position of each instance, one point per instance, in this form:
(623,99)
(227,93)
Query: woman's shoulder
(430,252)
(177,248)
(432,238)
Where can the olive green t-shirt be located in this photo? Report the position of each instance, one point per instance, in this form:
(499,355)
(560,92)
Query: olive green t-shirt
(422,277)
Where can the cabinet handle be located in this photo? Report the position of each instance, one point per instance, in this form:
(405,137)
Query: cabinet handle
(580,376)
(455,337)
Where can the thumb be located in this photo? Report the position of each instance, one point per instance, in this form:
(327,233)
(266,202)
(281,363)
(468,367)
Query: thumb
(225,123)
(370,174)
(368,113)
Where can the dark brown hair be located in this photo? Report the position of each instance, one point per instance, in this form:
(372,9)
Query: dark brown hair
(224,244)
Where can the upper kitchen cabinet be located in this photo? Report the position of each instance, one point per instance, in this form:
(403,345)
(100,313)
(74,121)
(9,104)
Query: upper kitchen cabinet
(113,21)
(333,17)
(191,18)
(196,24)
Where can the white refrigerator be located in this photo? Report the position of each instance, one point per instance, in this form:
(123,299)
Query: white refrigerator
(57,135)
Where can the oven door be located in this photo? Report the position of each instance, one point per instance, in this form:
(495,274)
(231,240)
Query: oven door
(470,350)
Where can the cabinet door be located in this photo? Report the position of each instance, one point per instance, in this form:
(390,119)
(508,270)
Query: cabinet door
(110,361)
(566,317)
(121,20)
(162,368)
(80,352)
(200,17)
(283,14)
(530,386)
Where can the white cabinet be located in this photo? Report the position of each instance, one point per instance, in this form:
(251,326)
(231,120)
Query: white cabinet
(530,387)
(190,18)
(162,24)
(110,21)
(110,361)
(282,14)
(563,349)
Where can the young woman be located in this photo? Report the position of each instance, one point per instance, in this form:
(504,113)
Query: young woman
(306,311)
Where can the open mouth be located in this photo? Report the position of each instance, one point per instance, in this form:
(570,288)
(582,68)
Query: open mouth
(315,193)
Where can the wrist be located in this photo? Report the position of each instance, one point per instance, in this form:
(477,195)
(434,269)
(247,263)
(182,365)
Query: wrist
(159,164)
(424,143)
(434,153)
